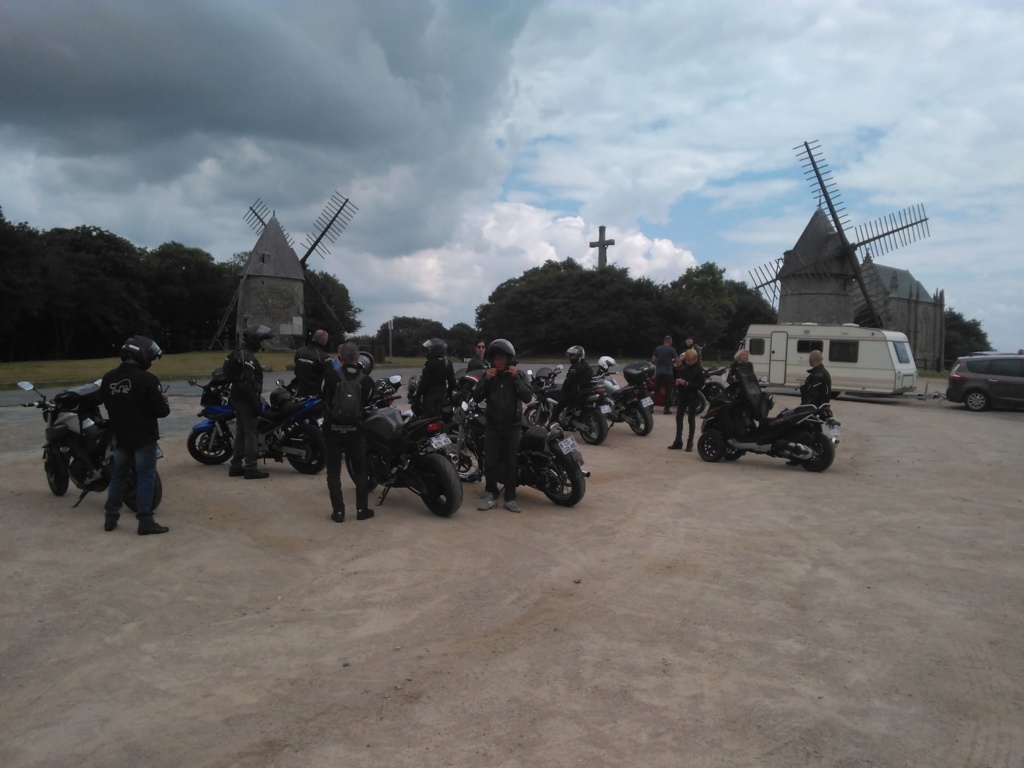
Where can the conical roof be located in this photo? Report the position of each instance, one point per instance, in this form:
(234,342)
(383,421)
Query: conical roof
(272,256)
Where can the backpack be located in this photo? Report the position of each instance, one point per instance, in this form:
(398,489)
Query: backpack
(346,405)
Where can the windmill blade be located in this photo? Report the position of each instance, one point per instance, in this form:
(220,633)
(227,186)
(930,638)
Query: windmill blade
(766,280)
(337,215)
(258,215)
(819,176)
(893,231)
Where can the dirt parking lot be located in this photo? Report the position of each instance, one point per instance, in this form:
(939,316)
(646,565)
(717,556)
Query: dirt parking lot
(684,614)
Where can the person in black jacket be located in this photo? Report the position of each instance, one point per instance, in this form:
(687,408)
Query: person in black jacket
(245,373)
(346,438)
(134,401)
(437,381)
(477,362)
(817,387)
(310,363)
(690,377)
(579,381)
(504,389)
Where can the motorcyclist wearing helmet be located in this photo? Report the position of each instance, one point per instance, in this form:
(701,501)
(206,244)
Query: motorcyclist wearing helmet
(504,388)
(134,401)
(579,381)
(690,377)
(310,363)
(245,373)
(437,380)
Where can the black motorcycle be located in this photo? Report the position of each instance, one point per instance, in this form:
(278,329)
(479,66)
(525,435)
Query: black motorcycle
(633,403)
(287,427)
(547,460)
(737,422)
(77,448)
(587,417)
(407,452)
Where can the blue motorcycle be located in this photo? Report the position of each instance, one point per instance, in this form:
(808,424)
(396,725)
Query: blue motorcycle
(287,427)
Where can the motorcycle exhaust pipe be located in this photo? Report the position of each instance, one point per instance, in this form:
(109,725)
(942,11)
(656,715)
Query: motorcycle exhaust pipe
(797,451)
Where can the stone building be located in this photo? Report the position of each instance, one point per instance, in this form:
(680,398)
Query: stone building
(272,289)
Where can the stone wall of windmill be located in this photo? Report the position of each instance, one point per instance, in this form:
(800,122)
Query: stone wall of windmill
(272,289)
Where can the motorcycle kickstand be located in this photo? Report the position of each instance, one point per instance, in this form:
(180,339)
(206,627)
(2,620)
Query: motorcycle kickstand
(383,495)
(84,494)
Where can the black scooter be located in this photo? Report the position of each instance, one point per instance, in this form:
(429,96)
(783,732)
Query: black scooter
(737,422)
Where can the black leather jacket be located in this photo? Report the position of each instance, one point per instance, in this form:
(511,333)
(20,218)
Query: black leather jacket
(134,402)
(505,395)
(817,387)
(245,373)
(310,363)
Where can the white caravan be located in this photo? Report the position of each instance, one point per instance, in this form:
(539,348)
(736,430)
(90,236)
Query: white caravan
(859,360)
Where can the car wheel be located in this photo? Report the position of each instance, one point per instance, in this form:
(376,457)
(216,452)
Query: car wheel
(976,400)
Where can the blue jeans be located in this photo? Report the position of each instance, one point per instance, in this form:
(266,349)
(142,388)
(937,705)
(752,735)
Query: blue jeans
(144,460)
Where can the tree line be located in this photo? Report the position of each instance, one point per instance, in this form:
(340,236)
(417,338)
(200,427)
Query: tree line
(78,293)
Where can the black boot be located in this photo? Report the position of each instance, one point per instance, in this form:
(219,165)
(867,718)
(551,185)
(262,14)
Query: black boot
(689,444)
(676,445)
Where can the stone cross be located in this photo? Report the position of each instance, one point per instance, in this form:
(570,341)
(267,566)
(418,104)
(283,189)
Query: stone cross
(602,246)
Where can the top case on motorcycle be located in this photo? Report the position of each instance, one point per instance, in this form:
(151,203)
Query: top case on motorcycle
(751,391)
(638,372)
(84,398)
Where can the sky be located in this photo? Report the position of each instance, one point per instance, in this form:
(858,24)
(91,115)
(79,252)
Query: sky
(480,138)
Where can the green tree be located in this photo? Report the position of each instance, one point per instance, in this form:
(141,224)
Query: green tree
(408,335)
(21,290)
(322,289)
(749,307)
(963,335)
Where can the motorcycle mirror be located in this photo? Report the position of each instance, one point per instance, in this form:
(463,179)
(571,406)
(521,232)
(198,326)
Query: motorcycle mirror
(558,368)
(395,380)
(465,406)
(280,382)
(529,372)
(191,381)
(26,385)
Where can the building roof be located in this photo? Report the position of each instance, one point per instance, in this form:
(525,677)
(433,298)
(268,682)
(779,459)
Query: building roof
(899,282)
(272,256)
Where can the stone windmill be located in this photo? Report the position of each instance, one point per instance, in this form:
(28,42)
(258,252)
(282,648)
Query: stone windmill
(822,279)
(271,290)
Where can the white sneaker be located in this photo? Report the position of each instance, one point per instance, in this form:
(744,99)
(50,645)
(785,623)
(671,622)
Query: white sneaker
(487,502)
(512,506)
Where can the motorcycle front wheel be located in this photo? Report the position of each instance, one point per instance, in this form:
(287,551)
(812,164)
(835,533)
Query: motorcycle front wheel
(443,494)
(56,471)
(593,427)
(565,484)
(639,419)
(130,492)
(711,446)
(208,448)
(824,453)
(311,440)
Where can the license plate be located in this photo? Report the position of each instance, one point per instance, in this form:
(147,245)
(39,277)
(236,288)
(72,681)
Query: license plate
(606,409)
(440,441)
(647,402)
(568,445)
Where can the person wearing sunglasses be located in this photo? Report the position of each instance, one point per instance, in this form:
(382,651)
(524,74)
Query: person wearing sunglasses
(477,362)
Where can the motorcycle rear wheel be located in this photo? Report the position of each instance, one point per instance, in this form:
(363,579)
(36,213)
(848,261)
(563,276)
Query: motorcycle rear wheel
(207,448)
(130,490)
(443,495)
(533,415)
(56,471)
(572,483)
(824,454)
(312,441)
(711,446)
(639,419)
(593,427)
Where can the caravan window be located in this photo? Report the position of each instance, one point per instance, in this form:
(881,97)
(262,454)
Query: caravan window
(804,346)
(756,347)
(902,350)
(843,351)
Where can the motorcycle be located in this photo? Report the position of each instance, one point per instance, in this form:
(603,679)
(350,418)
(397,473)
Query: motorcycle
(287,427)
(405,451)
(716,382)
(737,422)
(632,404)
(588,418)
(547,460)
(77,448)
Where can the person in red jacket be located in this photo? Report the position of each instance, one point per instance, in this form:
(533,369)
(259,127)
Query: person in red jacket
(134,401)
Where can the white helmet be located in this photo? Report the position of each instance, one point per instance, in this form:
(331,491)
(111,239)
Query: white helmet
(604,363)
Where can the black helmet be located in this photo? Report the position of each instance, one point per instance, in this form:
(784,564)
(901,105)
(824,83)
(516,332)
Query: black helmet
(142,350)
(575,352)
(435,347)
(254,335)
(502,345)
